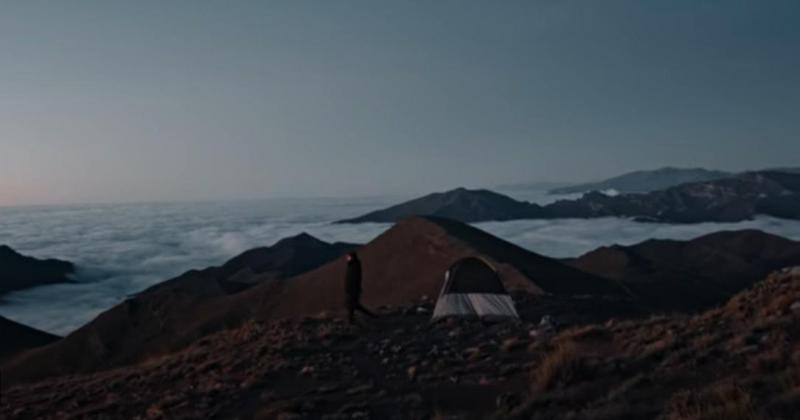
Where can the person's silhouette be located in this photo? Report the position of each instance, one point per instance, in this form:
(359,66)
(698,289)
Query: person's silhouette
(352,280)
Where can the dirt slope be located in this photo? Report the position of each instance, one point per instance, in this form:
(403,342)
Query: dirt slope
(692,275)
(17,338)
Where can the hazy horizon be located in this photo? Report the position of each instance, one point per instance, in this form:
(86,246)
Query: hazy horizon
(192,101)
(535,187)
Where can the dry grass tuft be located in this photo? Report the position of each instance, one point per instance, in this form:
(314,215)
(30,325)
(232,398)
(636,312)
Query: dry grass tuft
(724,401)
(563,365)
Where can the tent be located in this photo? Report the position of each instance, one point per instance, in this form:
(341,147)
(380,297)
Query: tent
(473,288)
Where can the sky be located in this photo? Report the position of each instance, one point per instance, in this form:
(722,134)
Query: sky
(113,101)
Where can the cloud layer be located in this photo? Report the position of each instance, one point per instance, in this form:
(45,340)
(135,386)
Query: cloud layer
(122,249)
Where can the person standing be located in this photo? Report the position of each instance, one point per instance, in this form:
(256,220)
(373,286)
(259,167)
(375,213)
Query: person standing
(352,280)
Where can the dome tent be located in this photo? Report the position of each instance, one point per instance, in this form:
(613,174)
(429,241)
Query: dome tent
(473,288)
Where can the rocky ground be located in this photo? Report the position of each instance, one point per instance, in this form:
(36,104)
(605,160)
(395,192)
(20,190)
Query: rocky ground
(734,362)
(399,366)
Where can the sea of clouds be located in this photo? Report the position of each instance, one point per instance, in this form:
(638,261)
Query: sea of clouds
(122,249)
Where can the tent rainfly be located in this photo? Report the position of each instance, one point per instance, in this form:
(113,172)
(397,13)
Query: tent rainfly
(473,288)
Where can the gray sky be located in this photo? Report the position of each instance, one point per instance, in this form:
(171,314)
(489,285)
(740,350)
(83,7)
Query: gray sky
(137,101)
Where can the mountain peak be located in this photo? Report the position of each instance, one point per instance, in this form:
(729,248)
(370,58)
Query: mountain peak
(461,204)
(7,250)
(300,239)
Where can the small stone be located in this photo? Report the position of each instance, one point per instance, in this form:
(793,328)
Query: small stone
(509,369)
(307,370)
(511,344)
(795,307)
(412,373)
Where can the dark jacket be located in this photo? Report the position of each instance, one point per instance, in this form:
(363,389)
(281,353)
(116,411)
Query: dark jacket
(352,278)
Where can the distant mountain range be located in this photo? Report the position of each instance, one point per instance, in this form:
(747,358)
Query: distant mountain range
(654,180)
(646,181)
(18,271)
(735,198)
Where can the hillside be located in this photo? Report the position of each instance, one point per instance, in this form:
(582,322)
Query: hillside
(402,265)
(286,258)
(18,338)
(18,271)
(645,181)
(174,313)
(408,262)
(736,361)
(694,274)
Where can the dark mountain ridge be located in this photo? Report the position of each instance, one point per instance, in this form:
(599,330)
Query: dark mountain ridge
(19,272)
(17,338)
(691,275)
(459,204)
(646,180)
(172,314)
(732,199)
